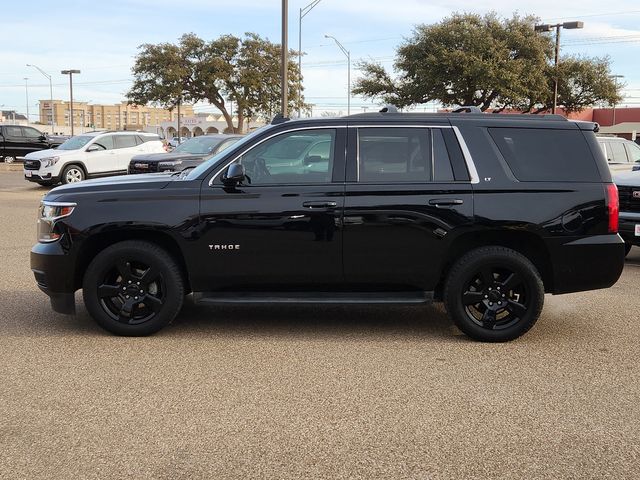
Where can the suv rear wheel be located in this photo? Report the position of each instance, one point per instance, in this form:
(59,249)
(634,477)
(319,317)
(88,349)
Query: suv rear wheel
(133,288)
(494,294)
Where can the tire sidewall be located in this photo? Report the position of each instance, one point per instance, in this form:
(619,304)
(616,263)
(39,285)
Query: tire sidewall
(70,167)
(150,255)
(9,159)
(471,265)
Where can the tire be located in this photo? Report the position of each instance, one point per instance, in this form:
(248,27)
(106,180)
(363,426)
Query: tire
(133,288)
(627,248)
(72,174)
(494,294)
(9,159)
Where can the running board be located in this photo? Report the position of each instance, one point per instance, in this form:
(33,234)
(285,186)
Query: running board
(337,298)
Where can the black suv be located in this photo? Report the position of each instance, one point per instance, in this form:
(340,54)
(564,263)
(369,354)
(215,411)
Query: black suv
(17,140)
(629,191)
(483,212)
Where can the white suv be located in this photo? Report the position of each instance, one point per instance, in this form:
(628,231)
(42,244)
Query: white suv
(621,154)
(94,154)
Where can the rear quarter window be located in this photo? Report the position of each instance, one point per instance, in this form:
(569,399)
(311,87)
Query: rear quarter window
(546,155)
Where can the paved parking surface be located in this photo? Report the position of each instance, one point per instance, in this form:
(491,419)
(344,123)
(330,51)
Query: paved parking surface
(312,392)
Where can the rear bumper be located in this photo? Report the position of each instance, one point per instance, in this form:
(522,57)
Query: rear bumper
(628,222)
(54,275)
(588,263)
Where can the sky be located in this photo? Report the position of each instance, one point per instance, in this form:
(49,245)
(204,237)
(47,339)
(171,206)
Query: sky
(102,40)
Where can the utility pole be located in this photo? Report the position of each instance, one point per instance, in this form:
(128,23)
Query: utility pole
(615,79)
(50,94)
(70,73)
(26,91)
(303,13)
(547,28)
(284,60)
(348,55)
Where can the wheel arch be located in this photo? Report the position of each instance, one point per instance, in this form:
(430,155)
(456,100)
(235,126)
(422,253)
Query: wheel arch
(524,242)
(77,163)
(93,245)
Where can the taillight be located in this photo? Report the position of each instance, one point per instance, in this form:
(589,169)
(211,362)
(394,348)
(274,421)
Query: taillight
(613,206)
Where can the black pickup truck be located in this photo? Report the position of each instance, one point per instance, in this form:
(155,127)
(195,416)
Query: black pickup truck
(18,140)
(486,213)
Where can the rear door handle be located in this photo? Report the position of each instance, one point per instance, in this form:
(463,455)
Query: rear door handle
(320,204)
(445,202)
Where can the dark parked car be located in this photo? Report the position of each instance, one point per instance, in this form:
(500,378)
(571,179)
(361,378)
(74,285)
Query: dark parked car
(190,153)
(629,191)
(18,140)
(486,213)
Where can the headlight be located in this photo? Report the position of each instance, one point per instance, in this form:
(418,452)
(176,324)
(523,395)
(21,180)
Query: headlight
(49,213)
(173,163)
(49,161)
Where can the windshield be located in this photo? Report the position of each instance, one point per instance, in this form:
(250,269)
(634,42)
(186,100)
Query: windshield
(74,143)
(199,145)
(203,167)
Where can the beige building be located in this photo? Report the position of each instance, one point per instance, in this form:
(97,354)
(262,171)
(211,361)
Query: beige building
(111,117)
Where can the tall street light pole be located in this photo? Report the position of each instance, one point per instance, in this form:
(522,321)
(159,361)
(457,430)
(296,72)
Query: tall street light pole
(26,92)
(50,92)
(284,60)
(615,79)
(348,55)
(303,13)
(70,73)
(547,28)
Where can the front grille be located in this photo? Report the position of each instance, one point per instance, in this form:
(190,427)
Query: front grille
(32,164)
(629,203)
(143,167)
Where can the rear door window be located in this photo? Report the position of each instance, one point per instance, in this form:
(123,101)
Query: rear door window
(13,132)
(546,155)
(124,141)
(618,152)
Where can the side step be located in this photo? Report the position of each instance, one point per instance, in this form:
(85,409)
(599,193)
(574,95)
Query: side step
(336,298)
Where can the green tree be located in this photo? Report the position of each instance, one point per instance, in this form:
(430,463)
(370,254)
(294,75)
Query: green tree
(485,61)
(227,69)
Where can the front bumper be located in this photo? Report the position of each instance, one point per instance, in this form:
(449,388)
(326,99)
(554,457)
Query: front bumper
(37,176)
(54,275)
(628,222)
(587,263)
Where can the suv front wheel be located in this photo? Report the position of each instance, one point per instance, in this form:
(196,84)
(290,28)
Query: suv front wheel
(494,294)
(133,288)
(72,174)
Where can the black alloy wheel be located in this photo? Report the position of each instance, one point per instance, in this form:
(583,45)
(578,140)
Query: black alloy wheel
(133,288)
(494,294)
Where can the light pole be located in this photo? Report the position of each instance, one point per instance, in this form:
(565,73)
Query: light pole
(70,73)
(615,79)
(303,13)
(348,54)
(50,93)
(547,28)
(284,60)
(26,92)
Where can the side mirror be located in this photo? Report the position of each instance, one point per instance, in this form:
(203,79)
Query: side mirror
(93,148)
(42,138)
(312,159)
(235,174)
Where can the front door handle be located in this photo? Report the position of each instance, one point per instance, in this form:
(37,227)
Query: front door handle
(445,202)
(320,204)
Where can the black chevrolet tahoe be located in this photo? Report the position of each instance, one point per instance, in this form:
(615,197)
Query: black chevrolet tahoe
(18,140)
(485,213)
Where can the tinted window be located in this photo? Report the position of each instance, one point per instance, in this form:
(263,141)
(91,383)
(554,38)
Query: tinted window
(198,145)
(394,155)
(617,152)
(106,142)
(634,152)
(31,132)
(286,159)
(441,162)
(538,155)
(124,141)
(13,131)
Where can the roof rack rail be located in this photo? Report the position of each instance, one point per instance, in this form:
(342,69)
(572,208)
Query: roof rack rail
(279,118)
(389,109)
(467,109)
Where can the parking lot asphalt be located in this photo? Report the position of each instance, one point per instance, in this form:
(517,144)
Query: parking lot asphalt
(308,392)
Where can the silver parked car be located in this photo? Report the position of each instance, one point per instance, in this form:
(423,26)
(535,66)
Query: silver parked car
(621,154)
